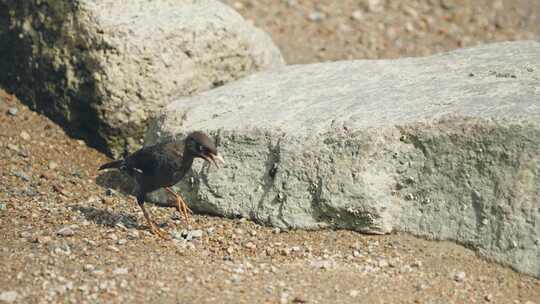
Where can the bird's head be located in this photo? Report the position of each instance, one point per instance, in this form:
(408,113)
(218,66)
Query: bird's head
(200,145)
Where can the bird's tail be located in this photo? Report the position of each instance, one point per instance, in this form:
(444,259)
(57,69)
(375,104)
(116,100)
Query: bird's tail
(114,164)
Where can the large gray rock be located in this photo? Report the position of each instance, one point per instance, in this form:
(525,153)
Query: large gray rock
(102,68)
(446,147)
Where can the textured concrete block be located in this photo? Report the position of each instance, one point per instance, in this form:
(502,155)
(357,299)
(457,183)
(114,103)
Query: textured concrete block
(446,147)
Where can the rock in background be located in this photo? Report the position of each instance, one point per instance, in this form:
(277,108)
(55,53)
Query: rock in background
(102,68)
(445,147)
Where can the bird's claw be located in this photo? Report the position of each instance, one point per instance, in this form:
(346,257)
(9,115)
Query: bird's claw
(160,233)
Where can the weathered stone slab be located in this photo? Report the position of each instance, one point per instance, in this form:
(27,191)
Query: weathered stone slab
(102,68)
(446,147)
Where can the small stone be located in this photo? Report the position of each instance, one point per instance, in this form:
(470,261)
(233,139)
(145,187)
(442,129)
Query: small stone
(43,239)
(488,297)
(133,234)
(382,263)
(3,206)
(416,264)
(120,271)
(22,175)
(354,293)
(322,264)
(13,111)
(194,234)
(238,5)
(112,236)
(376,6)
(285,251)
(121,242)
(25,234)
(24,153)
(25,135)
(66,231)
(13,147)
(112,248)
(88,267)
(8,296)
(53,165)
(316,16)
(358,15)
(459,276)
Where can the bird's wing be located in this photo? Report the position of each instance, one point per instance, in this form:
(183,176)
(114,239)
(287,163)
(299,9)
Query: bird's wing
(145,161)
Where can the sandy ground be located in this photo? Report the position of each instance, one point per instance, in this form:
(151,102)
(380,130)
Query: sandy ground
(65,239)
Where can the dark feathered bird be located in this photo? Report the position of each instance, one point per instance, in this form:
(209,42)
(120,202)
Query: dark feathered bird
(163,165)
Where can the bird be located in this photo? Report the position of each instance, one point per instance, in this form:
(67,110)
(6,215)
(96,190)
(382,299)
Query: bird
(163,165)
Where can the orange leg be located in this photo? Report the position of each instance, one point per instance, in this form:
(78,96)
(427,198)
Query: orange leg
(181,205)
(153,227)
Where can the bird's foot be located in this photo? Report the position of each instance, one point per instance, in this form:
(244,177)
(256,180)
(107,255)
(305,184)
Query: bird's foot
(186,212)
(159,232)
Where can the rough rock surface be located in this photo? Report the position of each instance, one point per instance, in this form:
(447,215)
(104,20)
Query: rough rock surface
(445,147)
(102,68)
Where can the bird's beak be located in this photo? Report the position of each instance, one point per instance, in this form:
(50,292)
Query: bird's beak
(214,159)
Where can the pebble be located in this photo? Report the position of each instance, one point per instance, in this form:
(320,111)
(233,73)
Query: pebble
(2,206)
(238,5)
(13,111)
(25,135)
(8,296)
(88,267)
(250,245)
(376,6)
(66,231)
(459,276)
(22,175)
(13,147)
(187,235)
(322,264)
(354,293)
(194,234)
(25,234)
(121,242)
(316,16)
(53,165)
(112,248)
(357,15)
(133,234)
(416,264)
(120,271)
(488,297)
(43,239)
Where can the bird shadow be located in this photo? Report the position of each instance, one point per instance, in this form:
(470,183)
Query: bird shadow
(107,218)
